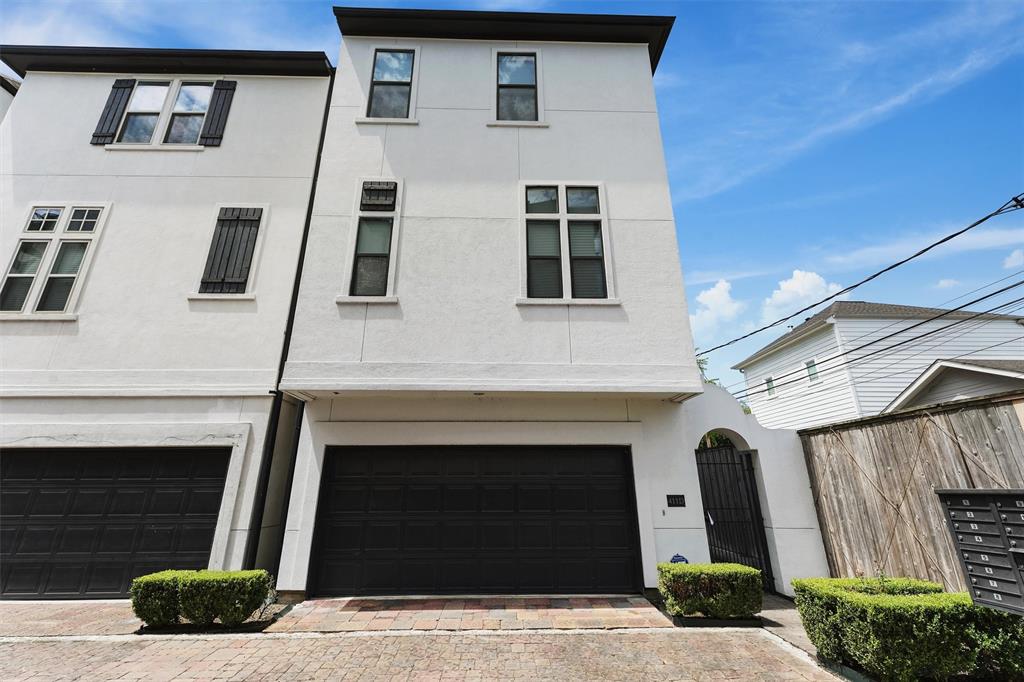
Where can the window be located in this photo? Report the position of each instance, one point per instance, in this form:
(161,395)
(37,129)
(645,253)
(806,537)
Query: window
(391,84)
(517,87)
(55,254)
(378,196)
(144,107)
(372,247)
(557,218)
(812,370)
(769,385)
(189,113)
(231,253)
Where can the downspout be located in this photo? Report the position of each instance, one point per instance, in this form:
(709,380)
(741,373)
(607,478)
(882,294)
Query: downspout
(263,480)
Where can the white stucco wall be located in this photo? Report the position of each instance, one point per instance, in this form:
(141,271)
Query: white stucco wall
(6,100)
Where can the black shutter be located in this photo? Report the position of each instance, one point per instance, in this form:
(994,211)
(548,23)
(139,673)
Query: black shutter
(110,119)
(234,240)
(217,114)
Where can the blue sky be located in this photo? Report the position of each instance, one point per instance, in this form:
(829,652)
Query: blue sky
(807,143)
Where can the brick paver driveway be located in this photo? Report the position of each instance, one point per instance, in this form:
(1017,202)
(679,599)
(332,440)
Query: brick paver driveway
(654,654)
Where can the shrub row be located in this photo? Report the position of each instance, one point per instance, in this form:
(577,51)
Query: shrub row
(162,599)
(905,629)
(715,590)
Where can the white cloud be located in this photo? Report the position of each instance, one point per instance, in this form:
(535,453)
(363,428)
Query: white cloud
(1015,259)
(715,307)
(799,291)
(903,246)
(947,283)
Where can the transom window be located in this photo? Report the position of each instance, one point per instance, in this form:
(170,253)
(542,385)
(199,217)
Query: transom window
(391,84)
(517,86)
(376,223)
(44,273)
(562,220)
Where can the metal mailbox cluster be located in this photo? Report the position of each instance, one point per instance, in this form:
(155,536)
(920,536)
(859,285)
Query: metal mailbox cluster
(988,531)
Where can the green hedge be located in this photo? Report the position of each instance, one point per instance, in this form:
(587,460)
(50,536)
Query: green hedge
(161,599)
(715,590)
(905,629)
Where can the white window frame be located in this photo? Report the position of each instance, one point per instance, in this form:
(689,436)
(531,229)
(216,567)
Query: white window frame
(257,252)
(390,295)
(363,116)
(174,84)
(53,240)
(563,216)
(817,372)
(541,121)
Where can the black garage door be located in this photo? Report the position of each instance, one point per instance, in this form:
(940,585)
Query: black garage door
(461,520)
(81,523)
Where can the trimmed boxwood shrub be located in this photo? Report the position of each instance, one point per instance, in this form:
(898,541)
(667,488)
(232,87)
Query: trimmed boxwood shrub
(905,629)
(715,590)
(155,598)
(161,599)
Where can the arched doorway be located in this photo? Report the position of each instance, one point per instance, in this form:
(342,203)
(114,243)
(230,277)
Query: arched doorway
(732,507)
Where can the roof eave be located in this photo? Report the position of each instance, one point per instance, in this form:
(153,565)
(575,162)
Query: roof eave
(771,348)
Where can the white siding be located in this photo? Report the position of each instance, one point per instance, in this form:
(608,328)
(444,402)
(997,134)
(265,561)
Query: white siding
(959,384)
(799,403)
(878,379)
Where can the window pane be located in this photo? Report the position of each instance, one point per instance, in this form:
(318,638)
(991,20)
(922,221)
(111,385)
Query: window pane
(393,66)
(371,276)
(83,220)
(585,238)
(69,258)
(588,278)
(542,238)
(517,69)
(374,236)
(148,97)
(138,127)
(389,101)
(14,293)
(194,98)
(43,219)
(544,278)
(517,104)
(542,200)
(26,261)
(184,128)
(582,200)
(55,294)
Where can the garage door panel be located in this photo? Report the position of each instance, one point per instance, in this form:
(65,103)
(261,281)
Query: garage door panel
(475,519)
(83,522)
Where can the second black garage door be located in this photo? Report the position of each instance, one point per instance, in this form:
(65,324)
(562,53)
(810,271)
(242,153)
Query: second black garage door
(462,520)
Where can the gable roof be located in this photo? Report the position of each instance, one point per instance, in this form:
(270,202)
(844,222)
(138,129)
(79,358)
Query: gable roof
(541,26)
(1003,368)
(862,310)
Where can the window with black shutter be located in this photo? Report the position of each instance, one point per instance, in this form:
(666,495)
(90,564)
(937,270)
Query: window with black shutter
(378,196)
(230,259)
(113,111)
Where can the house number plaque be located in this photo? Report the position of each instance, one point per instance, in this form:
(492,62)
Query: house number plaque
(988,533)
(676,500)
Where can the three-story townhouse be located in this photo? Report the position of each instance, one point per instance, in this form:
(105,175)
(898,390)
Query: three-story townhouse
(152,209)
(491,337)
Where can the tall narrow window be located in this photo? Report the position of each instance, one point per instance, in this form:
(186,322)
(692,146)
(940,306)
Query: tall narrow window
(544,259)
(372,258)
(189,113)
(769,385)
(20,276)
(517,87)
(144,107)
(391,85)
(586,256)
(61,280)
(812,370)
(230,258)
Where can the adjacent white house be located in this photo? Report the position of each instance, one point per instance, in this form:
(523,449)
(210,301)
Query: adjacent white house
(8,89)
(150,229)
(854,359)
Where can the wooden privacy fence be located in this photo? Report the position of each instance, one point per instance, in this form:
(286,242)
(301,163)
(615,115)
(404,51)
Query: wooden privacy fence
(873,482)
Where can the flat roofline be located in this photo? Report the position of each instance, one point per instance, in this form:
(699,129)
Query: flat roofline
(534,26)
(25,58)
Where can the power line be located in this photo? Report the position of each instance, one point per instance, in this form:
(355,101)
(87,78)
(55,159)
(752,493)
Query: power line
(1013,204)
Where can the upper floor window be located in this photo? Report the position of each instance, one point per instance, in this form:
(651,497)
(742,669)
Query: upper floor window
(45,272)
(769,387)
(517,86)
(149,113)
(391,84)
(565,219)
(812,370)
(373,243)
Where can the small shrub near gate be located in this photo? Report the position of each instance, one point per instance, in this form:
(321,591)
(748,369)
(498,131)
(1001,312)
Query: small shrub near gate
(201,597)
(905,629)
(715,590)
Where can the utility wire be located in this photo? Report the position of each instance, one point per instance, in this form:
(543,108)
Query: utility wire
(1013,204)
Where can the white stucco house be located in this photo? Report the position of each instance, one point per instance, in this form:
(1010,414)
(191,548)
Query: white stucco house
(150,231)
(856,359)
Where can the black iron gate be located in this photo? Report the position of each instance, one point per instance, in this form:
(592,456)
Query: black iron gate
(732,512)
